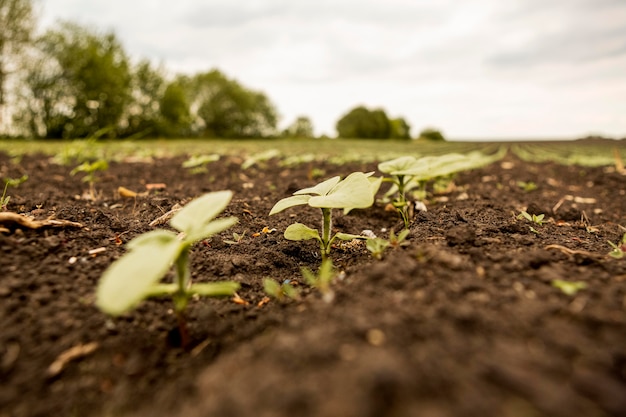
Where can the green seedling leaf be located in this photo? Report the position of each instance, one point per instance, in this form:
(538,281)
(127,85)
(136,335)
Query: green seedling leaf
(355,191)
(322,188)
(129,279)
(347,236)
(299,231)
(215,289)
(200,160)
(285,203)
(569,287)
(194,219)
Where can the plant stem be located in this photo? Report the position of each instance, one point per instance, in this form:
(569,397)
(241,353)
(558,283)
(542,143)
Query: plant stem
(181,297)
(326,231)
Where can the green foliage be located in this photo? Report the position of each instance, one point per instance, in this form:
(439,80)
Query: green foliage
(527,186)
(10,182)
(357,190)
(322,279)
(17,22)
(408,172)
(619,249)
(142,116)
(90,169)
(377,245)
(280,291)
(175,113)
(537,219)
(431,134)
(302,127)
(79,85)
(226,109)
(197,164)
(400,129)
(569,287)
(135,276)
(361,122)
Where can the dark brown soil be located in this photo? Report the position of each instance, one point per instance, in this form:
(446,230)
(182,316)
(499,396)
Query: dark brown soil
(464,321)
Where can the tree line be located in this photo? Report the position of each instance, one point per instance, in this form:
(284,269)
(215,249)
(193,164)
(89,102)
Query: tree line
(75,82)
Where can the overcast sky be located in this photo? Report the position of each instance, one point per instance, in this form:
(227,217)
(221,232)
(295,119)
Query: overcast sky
(476,69)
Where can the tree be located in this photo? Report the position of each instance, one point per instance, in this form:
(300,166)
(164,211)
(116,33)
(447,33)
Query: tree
(400,129)
(82,84)
(431,134)
(302,127)
(175,118)
(361,122)
(17,23)
(224,108)
(143,114)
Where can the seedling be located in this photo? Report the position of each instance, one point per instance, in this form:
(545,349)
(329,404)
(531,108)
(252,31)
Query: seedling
(619,250)
(537,219)
(357,190)
(197,164)
(527,186)
(90,169)
(136,275)
(377,245)
(569,287)
(237,238)
(10,182)
(322,280)
(407,173)
(280,291)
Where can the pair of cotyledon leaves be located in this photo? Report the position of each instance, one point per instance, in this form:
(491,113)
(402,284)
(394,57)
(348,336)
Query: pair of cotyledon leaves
(357,190)
(135,275)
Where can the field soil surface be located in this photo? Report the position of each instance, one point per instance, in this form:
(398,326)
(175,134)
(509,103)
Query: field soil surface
(465,320)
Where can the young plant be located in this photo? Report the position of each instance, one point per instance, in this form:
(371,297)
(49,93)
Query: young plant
(407,172)
(197,164)
(357,190)
(322,280)
(537,219)
(237,239)
(280,291)
(619,249)
(136,275)
(90,169)
(569,287)
(10,182)
(377,245)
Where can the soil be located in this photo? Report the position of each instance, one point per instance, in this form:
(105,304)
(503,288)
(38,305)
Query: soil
(463,321)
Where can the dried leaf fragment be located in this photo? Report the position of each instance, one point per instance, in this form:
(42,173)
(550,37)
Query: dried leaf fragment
(126,193)
(69,355)
(14,219)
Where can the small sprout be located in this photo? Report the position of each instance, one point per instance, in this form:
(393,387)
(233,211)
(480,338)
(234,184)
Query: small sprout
(377,246)
(237,238)
(569,287)
(90,169)
(280,291)
(527,186)
(197,164)
(407,172)
(357,190)
(136,275)
(10,182)
(260,157)
(400,239)
(322,280)
(619,249)
(537,219)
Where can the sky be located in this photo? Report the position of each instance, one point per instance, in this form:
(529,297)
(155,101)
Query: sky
(474,69)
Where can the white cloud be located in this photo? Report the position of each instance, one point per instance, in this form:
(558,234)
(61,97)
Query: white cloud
(479,68)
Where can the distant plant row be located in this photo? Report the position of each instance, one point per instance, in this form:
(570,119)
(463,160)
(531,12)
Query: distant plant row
(75,82)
